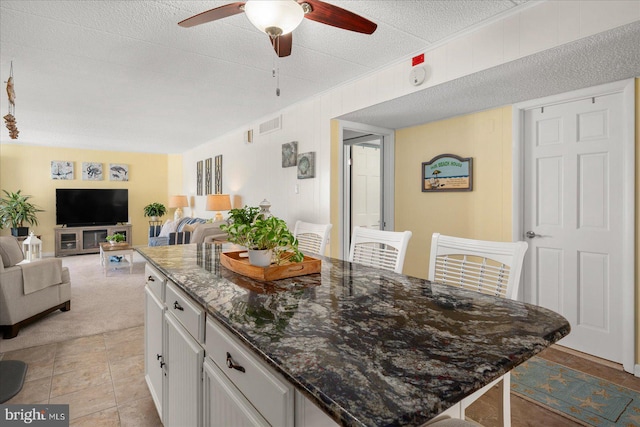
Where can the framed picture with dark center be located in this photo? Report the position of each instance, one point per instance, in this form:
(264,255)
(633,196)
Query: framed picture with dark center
(306,165)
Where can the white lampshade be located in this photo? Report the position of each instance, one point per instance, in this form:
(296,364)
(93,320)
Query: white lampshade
(178,202)
(274,17)
(218,202)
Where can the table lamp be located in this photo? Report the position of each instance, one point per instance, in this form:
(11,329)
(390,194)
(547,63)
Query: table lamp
(178,202)
(218,202)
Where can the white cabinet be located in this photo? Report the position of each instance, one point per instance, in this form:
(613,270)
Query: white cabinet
(153,336)
(183,358)
(272,396)
(223,404)
(173,353)
(153,351)
(231,386)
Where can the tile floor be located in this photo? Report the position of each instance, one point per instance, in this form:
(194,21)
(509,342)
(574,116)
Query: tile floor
(101,377)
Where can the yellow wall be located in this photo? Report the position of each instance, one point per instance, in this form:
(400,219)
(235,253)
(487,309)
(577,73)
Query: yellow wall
(637,263)
(484,213)
(28,168)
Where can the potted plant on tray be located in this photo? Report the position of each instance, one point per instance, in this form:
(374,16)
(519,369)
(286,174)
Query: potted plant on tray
(266,239)
(116,238)
(15,211)
(154,210)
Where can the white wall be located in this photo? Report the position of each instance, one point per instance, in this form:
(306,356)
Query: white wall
(254,172)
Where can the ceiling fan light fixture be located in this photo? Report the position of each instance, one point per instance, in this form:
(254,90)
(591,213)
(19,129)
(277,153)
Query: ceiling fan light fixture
(274,17)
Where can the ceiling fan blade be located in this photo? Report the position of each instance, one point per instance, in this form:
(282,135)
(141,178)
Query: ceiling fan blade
(282,44)
(336,16)
(213,14)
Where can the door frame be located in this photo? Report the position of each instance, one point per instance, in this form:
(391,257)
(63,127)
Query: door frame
(387,176)
(627,88)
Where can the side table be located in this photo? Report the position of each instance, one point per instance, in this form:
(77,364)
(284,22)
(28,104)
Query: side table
(108,250)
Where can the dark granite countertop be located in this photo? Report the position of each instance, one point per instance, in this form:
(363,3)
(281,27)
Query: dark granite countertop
(369,347)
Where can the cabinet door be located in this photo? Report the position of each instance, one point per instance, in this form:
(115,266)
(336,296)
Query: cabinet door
(67,242)
(153,315)
(183,376)
(223,404)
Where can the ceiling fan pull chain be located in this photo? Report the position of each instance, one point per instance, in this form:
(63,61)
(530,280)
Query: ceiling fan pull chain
(276,69)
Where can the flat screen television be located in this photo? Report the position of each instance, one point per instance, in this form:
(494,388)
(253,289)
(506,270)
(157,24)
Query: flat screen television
(81,207)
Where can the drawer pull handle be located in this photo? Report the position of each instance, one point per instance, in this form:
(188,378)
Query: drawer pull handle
(230,364)
(150,279)
(177,306)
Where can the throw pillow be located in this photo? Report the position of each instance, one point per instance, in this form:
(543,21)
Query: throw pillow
(168,227)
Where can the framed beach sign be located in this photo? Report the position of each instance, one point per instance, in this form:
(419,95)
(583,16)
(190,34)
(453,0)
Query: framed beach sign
(447,172)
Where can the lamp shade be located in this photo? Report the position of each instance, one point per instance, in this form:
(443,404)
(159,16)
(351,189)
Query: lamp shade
(274,17)
(178,202)
(218,202)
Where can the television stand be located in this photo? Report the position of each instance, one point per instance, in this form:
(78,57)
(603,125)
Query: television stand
(86,240)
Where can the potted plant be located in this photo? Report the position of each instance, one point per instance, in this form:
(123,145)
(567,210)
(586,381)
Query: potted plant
(116,238)
(155,210)
(15,211)
(266,239)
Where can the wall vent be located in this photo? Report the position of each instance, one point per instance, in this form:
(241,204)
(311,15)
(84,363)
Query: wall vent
(271,125)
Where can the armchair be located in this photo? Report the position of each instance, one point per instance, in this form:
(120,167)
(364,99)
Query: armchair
(31,290)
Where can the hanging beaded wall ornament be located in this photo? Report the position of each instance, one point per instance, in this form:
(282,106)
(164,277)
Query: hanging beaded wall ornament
(10,119)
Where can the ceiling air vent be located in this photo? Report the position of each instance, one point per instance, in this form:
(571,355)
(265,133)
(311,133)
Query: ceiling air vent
(271,125)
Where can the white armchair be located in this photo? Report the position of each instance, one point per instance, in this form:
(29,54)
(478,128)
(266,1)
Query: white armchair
(29,291)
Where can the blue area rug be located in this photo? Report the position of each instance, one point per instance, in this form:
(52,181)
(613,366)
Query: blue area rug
(582,397)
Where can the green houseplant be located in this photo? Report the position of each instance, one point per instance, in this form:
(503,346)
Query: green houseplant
(154,210)
(266,239)
(15,211)
(116,238)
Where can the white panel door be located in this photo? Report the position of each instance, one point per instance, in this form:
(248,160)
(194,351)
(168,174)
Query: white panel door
(183,367)
(365,181)
(224,405)
(573,174)
(154,313)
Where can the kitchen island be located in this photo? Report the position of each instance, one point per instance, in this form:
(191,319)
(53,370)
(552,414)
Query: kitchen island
(367,346)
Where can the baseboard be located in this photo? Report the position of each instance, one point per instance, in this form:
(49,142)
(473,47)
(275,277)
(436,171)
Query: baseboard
(636,370)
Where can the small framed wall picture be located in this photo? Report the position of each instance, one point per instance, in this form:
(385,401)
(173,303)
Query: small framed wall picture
(306,165)
(199,173)
(61,169)
(118,172)
(447,172)
(218,174)
(91,171)
(208,176)
(289,154)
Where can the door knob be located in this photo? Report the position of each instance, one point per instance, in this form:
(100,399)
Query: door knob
(531,234)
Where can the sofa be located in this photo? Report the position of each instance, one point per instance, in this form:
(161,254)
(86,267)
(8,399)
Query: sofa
(186,230)
(29,290)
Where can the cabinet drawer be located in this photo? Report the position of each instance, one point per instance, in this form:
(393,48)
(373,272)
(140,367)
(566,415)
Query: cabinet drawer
(188,313)
(270,395)
(155,281)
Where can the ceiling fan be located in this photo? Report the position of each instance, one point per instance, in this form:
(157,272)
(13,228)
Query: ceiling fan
(278,18)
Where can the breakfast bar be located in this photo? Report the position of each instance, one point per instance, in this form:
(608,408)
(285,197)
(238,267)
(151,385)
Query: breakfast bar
(368,347)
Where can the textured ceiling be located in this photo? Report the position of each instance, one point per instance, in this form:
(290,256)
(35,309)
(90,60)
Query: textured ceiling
(123,75)
(602,58)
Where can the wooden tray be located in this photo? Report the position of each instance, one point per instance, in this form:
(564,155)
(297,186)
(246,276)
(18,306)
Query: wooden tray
(240,265)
